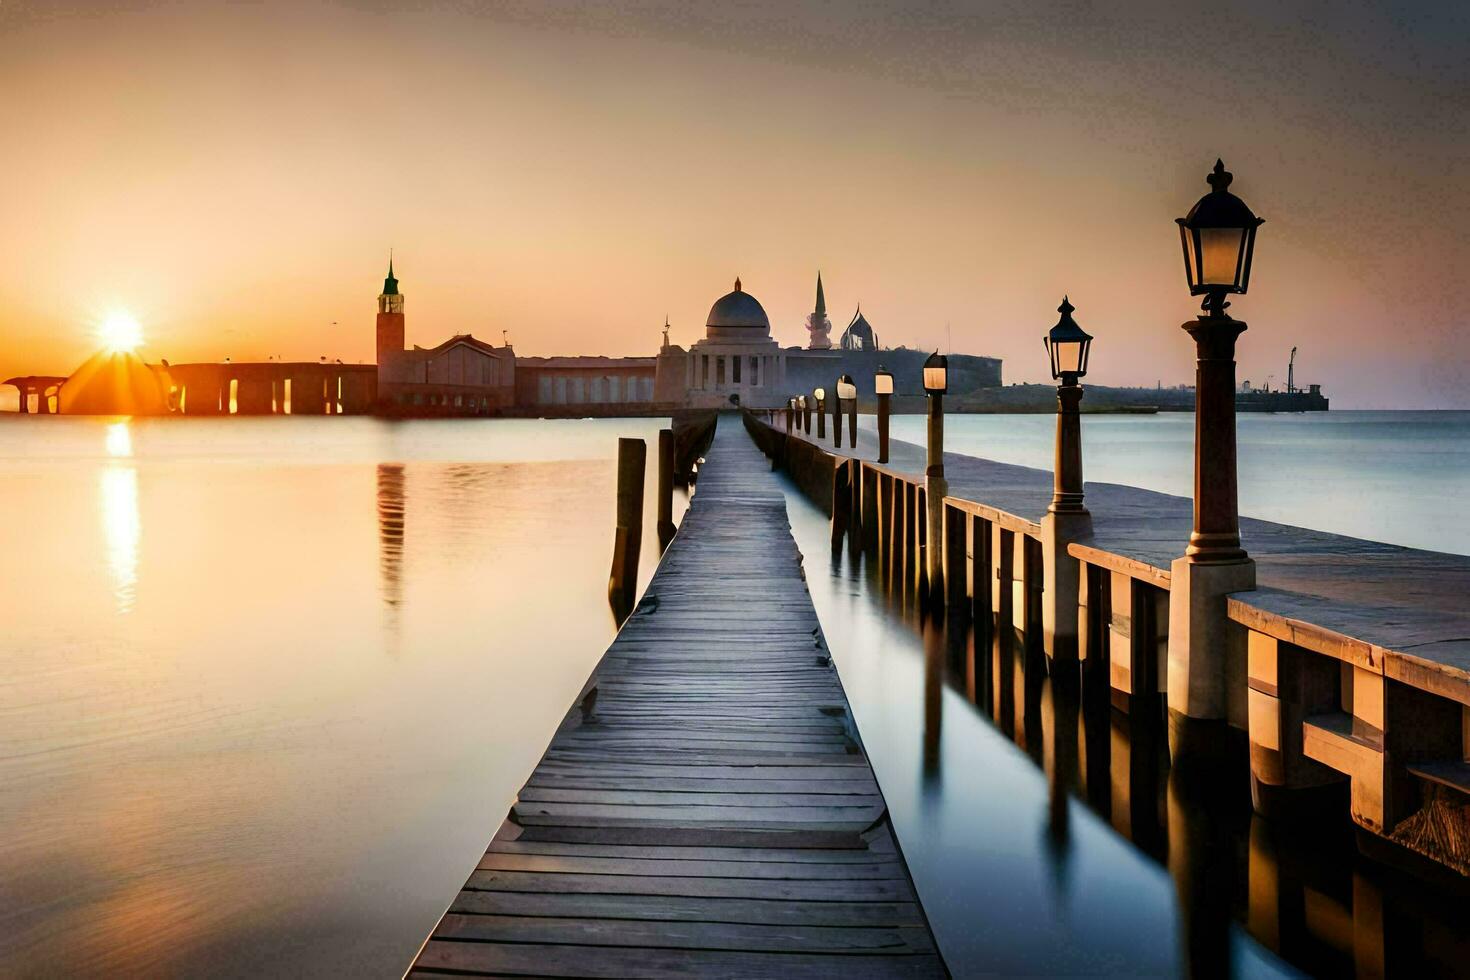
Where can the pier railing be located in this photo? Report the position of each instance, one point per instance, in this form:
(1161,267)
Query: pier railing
(1347,686)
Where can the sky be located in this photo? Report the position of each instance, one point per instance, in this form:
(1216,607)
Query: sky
(235,174)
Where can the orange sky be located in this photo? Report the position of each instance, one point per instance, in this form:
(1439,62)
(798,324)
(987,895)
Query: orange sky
(234,176)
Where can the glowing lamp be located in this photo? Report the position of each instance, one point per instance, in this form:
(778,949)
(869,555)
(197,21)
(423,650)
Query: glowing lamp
(820,395)
(936,374)
(1219,239)
(1068,346)
(882,382)
(846,390)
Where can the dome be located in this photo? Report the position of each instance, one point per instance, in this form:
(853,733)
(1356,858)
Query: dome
(737,316)
(859,334)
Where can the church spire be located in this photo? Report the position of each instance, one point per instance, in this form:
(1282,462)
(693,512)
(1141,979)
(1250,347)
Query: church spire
(821,297)
(390,285)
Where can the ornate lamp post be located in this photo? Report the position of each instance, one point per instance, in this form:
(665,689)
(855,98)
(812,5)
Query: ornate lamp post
(1066,520)
(821,398)
(790,412)
(936,383)
(1218,236)
(883,386)
(846,403)
(806,414)
(1068,345)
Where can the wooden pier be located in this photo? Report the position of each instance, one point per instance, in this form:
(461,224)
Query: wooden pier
(706,807)
(1350,673)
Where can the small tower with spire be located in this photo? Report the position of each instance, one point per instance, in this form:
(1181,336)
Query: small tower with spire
(390,318)
(817,324)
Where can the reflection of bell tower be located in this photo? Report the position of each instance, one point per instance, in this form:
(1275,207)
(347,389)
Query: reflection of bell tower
(390,318)
(392,511)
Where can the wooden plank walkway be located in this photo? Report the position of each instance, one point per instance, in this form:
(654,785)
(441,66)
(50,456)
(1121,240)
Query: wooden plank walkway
(706,808)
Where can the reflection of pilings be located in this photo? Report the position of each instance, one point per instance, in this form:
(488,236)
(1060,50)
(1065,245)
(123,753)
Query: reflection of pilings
(391,517)
(1204,864)
(1097,733)
(1139,758)
(1033,675)
(934,655)
(1060,710)
(1003,684)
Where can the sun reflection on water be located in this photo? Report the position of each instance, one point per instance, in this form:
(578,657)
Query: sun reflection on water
(121,523)
(119,440)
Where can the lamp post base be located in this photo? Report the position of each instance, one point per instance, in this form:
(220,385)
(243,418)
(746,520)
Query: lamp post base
(1207,652)
(1062,575)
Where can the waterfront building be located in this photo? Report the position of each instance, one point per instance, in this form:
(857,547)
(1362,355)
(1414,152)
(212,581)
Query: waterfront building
(736,362)
(461,376)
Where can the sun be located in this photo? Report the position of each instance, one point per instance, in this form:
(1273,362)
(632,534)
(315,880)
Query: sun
(121,333)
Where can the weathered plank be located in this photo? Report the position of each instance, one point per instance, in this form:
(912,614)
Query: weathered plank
(706,806)
(605,961)
(679,908)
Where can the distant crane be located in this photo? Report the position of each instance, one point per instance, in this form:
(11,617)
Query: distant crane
(1291,373)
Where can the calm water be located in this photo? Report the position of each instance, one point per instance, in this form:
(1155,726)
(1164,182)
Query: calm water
(1387,476)
(269,685)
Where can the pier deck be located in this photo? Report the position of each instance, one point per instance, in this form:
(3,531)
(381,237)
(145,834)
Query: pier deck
(1384,596)
(1353,664)
(706,807)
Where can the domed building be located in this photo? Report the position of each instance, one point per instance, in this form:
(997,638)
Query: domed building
(737,362)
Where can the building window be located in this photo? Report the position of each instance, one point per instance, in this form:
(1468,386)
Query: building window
(735,370)
(755,372)
(704,371)
(719,372)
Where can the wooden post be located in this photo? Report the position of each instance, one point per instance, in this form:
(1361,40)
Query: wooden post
(622,584)
(883,413)
(836,420)
(982,577)
(666,527)
(956,562)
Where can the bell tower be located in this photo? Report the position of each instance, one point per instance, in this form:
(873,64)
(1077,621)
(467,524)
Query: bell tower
(390,318)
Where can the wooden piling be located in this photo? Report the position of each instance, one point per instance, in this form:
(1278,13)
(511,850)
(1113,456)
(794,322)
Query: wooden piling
(666,527)
(622,584)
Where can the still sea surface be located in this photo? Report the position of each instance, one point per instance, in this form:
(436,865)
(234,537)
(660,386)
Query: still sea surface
(267,687)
